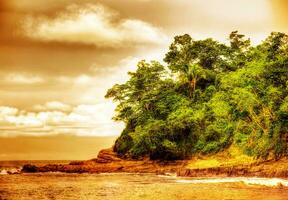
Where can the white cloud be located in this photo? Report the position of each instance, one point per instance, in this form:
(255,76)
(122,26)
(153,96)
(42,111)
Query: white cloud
(23,78)
(82,120)
(92,24)
(87,112)
(83,79)
(27,120)
(54,106)
(7,111)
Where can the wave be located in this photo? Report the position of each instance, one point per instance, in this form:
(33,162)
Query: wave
(10,171)
(247,181)
(3,172)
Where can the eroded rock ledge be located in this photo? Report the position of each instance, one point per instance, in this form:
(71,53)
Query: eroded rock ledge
(108,162)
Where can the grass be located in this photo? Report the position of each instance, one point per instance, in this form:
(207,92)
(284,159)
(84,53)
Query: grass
(231,157)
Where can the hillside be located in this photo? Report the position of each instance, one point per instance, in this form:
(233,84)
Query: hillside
(207,97)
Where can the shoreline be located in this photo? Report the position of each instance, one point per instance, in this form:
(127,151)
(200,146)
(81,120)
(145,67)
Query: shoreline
(108,162)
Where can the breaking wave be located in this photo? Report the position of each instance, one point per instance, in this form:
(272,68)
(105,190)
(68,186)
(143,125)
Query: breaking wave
(247,181)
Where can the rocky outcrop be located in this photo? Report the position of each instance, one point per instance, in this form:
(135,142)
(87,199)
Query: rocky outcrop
(107,156)
(107,161)
(29,168)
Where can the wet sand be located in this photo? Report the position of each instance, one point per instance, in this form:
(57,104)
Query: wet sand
(136,186)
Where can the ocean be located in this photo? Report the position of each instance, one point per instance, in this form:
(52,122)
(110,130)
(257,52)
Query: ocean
(127,186)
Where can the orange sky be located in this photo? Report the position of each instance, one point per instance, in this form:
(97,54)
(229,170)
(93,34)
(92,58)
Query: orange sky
(57,147)
(58,57)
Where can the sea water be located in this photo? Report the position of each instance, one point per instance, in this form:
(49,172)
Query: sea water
(125,186)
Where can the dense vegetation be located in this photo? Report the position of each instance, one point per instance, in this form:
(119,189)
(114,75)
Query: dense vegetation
(207,97)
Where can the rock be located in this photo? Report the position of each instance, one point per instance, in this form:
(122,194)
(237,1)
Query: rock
(107,156)
(28,168)
(13,171)
(107,161)
(77,163)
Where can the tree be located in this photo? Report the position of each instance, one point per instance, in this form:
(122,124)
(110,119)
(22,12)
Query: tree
(209,96)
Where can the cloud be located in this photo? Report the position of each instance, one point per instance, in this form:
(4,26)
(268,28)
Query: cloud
(82,120)
(7,111)
(92,24)
(53,106)
(83,79)
(23,78)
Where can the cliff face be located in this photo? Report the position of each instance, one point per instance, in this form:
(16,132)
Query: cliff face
(108,162)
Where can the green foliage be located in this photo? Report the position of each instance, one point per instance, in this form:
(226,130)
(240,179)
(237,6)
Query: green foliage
(208,96)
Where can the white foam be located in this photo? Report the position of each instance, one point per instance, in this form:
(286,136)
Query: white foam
(168,175)
(10,171)
(3,172)
(266,182)
(247,181)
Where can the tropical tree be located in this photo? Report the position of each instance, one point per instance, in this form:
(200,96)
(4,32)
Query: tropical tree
(207,97)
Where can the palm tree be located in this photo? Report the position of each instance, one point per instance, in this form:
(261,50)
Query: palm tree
(191,74)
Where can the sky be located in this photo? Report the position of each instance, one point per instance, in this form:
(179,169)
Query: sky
(56,147)
(59,57)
